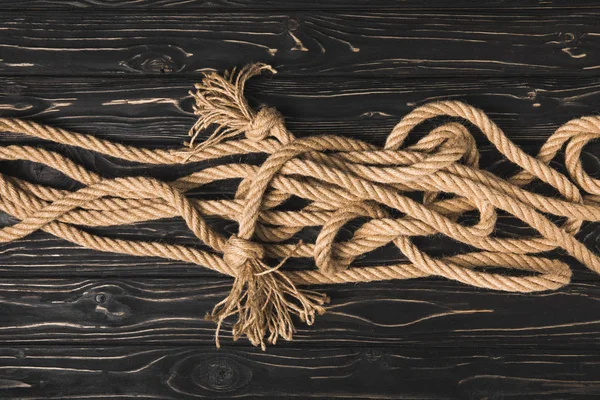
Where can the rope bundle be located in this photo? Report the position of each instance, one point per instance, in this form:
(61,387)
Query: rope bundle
(341,180)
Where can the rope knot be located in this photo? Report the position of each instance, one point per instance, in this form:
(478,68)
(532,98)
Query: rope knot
(238,251)
(266,120)
(263,298)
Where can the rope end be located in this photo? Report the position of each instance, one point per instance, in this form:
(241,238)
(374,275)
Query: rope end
(264,299)
(264,305)
(220,102)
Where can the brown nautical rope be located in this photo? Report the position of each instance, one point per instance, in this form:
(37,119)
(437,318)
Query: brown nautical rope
(341,180)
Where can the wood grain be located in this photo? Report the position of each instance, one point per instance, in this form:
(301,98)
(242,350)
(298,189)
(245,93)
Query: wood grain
(251,5)
(301,43)
(362,372)
(431,313)
(158,111)
(79,324)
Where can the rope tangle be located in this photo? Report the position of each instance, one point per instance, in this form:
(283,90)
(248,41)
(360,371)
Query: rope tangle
(340,179)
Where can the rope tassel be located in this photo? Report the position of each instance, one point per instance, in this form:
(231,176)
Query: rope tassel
(220,104)
(263,298)
(393,193)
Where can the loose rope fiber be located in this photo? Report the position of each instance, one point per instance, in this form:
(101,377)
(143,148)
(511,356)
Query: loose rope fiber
(397,193)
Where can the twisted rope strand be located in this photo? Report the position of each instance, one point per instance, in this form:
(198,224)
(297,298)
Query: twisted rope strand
(341,181)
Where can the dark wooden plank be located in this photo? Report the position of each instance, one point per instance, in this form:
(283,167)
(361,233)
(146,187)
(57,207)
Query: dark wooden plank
(353,43)
(29,373)
(427,312)
(235,5)
(158,112)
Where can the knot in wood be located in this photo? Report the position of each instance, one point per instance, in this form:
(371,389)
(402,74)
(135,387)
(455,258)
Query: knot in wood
(238,251)
(267,119)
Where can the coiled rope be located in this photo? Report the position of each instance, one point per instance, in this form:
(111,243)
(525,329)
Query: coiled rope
(340,179)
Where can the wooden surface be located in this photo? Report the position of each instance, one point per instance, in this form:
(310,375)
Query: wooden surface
(294,5)
(303,43)
(356,372)
(78,324)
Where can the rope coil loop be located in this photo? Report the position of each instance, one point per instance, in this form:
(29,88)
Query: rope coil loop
(392,194)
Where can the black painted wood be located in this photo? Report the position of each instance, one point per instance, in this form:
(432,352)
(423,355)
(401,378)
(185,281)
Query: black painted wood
(360,372)
(80,324)
(430,313)
(350,43)
(250,5)
(158,110)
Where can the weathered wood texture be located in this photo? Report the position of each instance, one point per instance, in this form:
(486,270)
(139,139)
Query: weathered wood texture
(158,111)
(359,43)
(361,372)
(138,322)
(427,312)
(251,5)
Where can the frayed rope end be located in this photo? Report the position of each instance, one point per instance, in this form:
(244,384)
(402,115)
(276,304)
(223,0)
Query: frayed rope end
(264,299)
(220,101)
